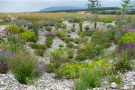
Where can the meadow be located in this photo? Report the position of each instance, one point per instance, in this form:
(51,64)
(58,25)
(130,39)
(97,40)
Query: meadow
(67,51)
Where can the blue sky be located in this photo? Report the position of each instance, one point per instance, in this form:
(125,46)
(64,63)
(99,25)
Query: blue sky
(36,5)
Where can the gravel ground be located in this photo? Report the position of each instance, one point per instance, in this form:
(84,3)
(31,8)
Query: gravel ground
(47,81)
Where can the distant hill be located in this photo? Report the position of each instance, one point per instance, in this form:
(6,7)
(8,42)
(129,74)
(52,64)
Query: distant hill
(61,8)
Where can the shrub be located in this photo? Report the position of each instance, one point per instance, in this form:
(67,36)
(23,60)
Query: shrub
(64,26)
(80,25)
(90,51)
(49,41)
(110,34)
(48,28)
(107,45)
(40,68)
(58,25)
(99,37)
(27,36)
(73,29)
(12,29)
(123,63)
(81,57)
(88,80)
(48,33)
(115,78)
(70,45)
(59,56)
(67,40)
(61,34)
(61,45)
(127,38)
(39,52)
(87,28)
(49,23)
(23,66)
(74,70)
(4,58)
(106,20)
(38,46)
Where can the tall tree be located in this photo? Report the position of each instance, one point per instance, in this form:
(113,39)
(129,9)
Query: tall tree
(92,5)
(125,4)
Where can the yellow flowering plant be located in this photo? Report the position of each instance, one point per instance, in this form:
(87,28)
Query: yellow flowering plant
(74,70)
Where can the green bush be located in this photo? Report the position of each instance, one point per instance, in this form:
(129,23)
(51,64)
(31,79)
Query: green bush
(59,56)
(107,45)
(123,63)
(90,51)
(75,70)
(70,45)
(48,28)
(61,34)
(127,38)
(118,79)
(88,80)
(49,41)
(99,37)
(110,34)
(106,20)
(58,25)
(27,36)
(67,40)
(87,28)
(38,46)
(12,29)
(73,29)
(23,66)
(80,25)
(61,45)
(81,57)
(39,52)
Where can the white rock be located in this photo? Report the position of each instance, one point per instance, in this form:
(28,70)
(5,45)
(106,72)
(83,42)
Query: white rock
(31,88)
(114,85)
(125,87)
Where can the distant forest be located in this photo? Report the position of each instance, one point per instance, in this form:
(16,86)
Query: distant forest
(103,10)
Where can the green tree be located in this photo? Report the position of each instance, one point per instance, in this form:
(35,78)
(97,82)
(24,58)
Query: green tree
(125,4)
(92,5)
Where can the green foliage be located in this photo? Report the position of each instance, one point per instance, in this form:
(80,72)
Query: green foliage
(23,66)
(58,25)
(49,41)
(110,34)
(48,28)
(61,45)
(27,36)
(99,37)
(12,29)
(90,51)
(39,52)
(123,63)
(60,56)
(93,4)
(38,46)
(80,25)
(88,80)
(67,40)
(107,45)
(75,70)
(70,45)
(73,29)
(87,28)
(61,34)
(127,38)
(81,57)
(106,20)
(118,79)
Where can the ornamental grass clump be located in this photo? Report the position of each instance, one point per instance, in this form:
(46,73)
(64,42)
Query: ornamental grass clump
(23,66)
(49,41)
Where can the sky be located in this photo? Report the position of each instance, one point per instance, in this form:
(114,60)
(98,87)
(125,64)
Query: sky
(37,5)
